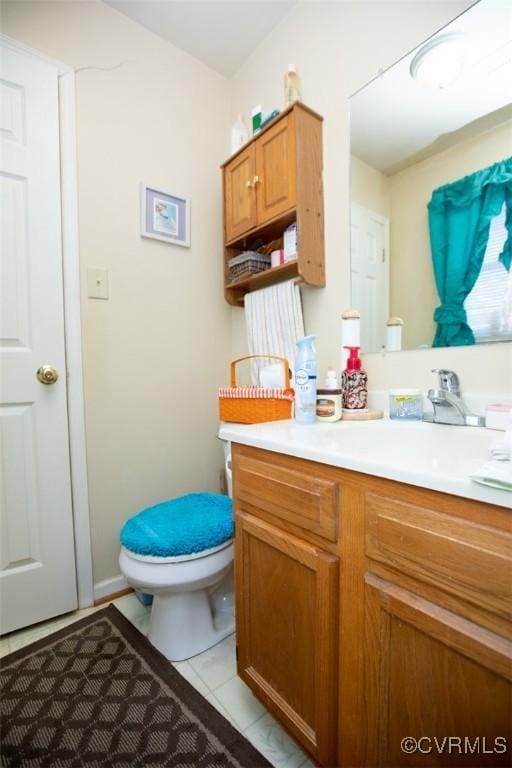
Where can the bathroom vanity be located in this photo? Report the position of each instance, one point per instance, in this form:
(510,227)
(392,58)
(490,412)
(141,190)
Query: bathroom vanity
(372,609)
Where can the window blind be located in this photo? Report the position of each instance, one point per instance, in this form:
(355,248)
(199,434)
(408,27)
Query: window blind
(489,305)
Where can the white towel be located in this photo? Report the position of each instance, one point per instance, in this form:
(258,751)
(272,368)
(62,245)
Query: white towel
(274,323)
(497,474)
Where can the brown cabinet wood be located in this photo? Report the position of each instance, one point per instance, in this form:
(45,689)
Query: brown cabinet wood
(287,619)
(287,495)
(436,677)
(239,198)
(425,608)
(276,170)
(272,182)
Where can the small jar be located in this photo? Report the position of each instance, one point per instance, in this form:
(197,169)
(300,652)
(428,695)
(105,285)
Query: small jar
(328,404)
(406,404)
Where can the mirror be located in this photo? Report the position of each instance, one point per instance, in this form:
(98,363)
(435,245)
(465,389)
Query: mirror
(439,115)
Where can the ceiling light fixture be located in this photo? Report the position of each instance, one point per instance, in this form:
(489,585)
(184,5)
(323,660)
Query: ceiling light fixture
(440,62)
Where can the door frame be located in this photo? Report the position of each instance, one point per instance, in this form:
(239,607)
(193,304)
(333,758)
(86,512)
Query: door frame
(72,319)
(385,221)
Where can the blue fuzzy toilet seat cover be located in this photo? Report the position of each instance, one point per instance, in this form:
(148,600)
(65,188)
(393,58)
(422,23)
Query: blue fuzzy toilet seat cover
(181,526)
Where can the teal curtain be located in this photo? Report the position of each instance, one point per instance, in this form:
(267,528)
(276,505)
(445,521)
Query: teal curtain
(460,216)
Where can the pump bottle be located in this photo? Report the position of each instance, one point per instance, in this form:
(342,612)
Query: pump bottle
(354,382)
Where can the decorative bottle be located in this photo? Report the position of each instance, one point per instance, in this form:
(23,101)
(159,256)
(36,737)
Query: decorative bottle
(291,86)
(354,382)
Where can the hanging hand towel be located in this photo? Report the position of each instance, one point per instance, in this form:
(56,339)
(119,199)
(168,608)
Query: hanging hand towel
(274,322)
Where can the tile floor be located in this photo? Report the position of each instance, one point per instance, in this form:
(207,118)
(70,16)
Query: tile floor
(212,673)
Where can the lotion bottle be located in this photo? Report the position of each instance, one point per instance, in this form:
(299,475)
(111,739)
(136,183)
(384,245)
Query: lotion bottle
(305,381)
(291,86)
(239,134)
(354,383)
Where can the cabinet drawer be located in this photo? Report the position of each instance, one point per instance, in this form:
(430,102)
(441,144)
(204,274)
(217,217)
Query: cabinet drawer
(458,556)
(288,494)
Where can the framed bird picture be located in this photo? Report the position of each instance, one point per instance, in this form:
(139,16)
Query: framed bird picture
(165,216)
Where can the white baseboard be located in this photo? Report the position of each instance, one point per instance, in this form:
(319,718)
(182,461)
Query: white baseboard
(109,587)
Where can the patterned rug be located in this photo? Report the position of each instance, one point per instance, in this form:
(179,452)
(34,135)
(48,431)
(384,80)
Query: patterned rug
(98,694)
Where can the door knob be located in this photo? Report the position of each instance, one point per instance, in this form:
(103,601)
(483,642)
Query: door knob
(47,374)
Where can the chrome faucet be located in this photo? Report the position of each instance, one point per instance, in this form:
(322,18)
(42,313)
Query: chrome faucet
(449,407)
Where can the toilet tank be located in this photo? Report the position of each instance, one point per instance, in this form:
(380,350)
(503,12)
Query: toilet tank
(227,467)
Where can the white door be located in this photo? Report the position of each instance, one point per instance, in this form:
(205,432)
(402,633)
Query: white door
(369,245)
(37,564)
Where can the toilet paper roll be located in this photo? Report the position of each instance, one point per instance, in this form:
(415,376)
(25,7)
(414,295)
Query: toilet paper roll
(350,333)
(271,376)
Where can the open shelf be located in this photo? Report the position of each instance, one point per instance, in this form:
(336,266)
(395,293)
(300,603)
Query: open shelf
(270,276)
(272,229)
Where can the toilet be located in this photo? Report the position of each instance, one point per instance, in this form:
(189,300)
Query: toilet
(181,552)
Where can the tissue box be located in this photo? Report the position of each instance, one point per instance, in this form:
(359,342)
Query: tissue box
(498,416)
(290,242)
(277,258)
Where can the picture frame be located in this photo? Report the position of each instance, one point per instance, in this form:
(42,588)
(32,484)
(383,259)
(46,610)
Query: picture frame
(164,216)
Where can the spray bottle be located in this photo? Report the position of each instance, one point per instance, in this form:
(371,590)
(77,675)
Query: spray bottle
(305,381)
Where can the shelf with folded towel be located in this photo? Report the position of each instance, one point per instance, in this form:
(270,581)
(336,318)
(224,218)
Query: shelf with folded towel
(237,290)
(274,180)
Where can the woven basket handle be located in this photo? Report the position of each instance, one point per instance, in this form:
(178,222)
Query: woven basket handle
(283,360)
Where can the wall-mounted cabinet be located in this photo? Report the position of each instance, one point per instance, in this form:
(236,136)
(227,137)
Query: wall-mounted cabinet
(273,181)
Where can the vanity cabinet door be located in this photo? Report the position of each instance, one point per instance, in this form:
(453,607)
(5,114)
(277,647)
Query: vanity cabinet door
(434,676)
(239,194)
(287,631)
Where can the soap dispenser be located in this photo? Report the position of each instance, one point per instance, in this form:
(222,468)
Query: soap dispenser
(354,383)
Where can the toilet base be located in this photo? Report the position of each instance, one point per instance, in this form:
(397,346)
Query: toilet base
(192,598)
(183,624)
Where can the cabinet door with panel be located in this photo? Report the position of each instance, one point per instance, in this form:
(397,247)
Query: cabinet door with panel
(436,677)
(239,195)
(287,630)
(276,172)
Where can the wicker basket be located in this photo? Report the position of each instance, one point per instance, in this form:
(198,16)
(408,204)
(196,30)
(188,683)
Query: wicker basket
(246,264)
(251,405)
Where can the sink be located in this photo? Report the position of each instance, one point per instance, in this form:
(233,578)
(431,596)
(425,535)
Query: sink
(437,456)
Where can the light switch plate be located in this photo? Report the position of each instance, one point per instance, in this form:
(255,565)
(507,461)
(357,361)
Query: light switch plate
(97,283)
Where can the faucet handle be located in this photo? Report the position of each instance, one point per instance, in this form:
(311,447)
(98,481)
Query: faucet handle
(448,380)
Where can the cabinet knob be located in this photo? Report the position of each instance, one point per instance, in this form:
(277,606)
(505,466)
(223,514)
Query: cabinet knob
(249,184)
(256,180)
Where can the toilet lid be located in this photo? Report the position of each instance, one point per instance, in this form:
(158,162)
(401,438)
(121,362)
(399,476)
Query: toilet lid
(182,526)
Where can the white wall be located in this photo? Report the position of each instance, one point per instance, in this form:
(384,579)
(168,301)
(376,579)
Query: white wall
(369,188)
(154,353)
(338,47)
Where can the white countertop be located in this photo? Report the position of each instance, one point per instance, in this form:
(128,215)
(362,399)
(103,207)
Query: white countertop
(433,456)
